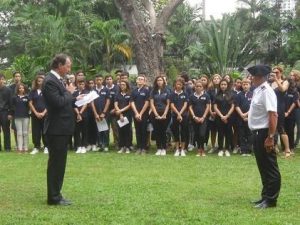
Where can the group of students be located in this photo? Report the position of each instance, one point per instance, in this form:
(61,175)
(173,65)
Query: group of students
(190,113)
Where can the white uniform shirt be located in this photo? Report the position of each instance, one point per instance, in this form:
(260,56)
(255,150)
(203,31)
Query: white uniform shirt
(264,100)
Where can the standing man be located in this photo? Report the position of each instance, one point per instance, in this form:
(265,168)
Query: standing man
(59,125)
(262,121)
(5,112)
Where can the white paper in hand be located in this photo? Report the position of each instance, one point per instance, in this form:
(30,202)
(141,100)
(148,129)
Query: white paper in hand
(102,125)
(125,122)
(87,99)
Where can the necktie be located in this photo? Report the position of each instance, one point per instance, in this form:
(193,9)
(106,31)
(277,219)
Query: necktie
(62,82)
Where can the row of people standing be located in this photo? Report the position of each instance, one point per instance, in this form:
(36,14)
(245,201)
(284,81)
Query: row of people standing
(196,111)
(16,103)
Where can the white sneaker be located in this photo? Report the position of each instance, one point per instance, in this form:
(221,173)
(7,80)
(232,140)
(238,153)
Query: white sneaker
(83,150)
(158,152)
(244,154)
(212,150)
(127,151)
(78,150)
(46,150)
(227,153)
(88,148)
(177,152)
(106,149)
(191,147)
(220,153)
(121,150)
(163,152)
(183,153)
(34,151)
(94,148)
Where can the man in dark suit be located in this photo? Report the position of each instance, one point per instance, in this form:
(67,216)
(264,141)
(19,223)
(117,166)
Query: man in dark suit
(59,125)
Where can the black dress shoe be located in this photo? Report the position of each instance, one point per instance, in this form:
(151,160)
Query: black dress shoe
(255,202)
(61,202)
(265,204)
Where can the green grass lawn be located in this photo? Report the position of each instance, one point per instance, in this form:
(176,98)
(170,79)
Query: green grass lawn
(128,189)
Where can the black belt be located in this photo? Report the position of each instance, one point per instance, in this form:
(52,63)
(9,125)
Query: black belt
(259,130)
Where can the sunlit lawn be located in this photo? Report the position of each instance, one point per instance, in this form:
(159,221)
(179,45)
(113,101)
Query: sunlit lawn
(129,189)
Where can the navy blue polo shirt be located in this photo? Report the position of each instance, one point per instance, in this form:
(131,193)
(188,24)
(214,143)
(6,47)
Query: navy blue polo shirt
(243,100)
(123,100)
(224,101)
(160,99)
(38,100)
(199,103)
(139,97)
(21,106)
(290,98)
(112,92)
(178,99)
(101,100)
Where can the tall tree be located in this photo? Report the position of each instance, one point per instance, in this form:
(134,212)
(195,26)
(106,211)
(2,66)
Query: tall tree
(147,27)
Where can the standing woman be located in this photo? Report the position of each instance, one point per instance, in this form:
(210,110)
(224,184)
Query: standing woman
(21,115)
(224,107)
(291,100)
(140,108)
(199,109)
(122,107)
(280,87)
(38,111)
(295,75)
(160,103)
(212,127)
(178,103)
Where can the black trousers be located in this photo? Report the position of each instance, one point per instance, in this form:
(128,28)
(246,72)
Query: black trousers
(37,126)
(141,132)
(5,126)
(80,134)
(92,129)
(179,129)
(124,134)
(160,128)
(289,128)
(267,166)
(224,132)
(200,133)
(245,137)
(58,148)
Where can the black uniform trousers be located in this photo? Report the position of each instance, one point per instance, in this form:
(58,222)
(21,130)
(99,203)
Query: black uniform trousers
(5,125)
(267,166)
(180,129)
(200,133)
(37,127)
(141,131)
(245,137)
(58,148)
(160,129)
(80,133)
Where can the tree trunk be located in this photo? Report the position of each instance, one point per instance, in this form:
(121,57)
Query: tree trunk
(147,38)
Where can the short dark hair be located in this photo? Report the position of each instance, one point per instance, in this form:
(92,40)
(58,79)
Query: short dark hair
(118,71)
(124,74)
(59,59)
(16,72)
(108,76)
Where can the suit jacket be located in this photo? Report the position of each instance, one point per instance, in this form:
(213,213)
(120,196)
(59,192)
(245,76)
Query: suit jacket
(60,119)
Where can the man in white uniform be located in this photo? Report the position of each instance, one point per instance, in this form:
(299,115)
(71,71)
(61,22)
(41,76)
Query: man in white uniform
(262,121)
